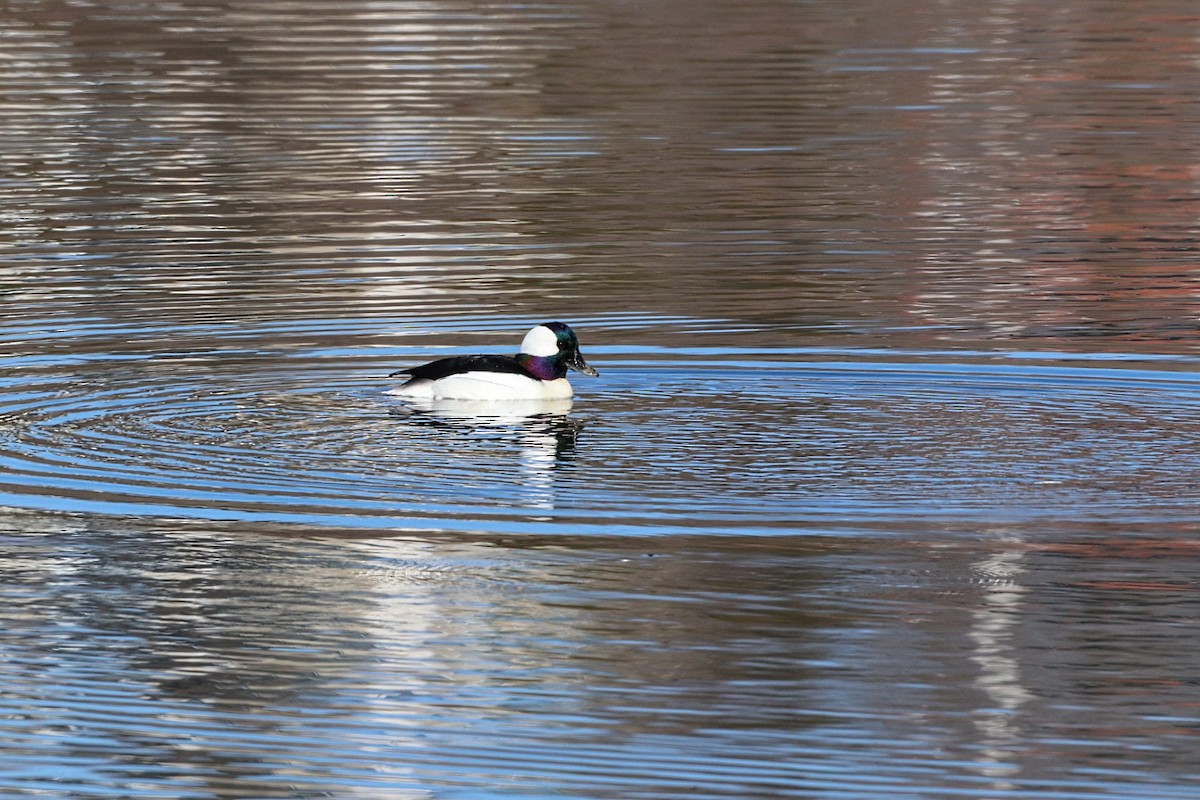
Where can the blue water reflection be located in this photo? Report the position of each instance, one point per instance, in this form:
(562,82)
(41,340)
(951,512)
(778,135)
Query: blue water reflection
(669,442)
(237,666)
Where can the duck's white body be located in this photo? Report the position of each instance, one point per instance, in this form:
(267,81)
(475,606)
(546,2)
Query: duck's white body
(537,373)
(485,386)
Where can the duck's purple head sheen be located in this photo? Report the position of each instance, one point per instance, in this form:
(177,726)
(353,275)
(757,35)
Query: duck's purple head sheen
(550,349)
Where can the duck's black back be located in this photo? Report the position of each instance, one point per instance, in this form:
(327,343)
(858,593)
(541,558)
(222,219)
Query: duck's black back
(455,365)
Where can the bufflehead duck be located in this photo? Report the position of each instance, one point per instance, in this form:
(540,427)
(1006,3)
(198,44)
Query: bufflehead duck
(538,372)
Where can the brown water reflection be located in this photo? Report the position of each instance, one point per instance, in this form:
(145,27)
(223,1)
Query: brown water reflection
(952,175)
(887,489)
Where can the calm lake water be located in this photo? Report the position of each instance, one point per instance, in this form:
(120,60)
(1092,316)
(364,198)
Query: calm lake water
(889,485)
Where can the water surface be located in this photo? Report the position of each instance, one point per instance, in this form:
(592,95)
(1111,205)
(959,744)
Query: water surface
(887,488)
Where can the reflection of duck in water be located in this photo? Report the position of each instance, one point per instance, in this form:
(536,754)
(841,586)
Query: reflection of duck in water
(547,435)
(542,432)
(537,373)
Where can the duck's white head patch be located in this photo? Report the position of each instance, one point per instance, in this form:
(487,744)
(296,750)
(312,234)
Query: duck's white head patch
(540,341)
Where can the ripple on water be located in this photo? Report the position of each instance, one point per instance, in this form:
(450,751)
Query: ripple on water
(666,442)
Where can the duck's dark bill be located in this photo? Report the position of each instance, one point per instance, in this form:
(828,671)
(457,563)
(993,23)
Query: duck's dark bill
(579,365)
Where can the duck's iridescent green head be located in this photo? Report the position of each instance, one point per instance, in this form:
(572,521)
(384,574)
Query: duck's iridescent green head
(550,349)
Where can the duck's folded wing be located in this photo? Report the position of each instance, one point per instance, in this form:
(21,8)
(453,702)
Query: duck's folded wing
(456,365)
